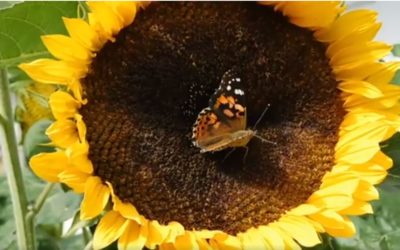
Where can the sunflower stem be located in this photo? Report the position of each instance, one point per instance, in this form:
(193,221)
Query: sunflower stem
(25,236)
(42,197)
(89,246)
(87,235)
(34,210)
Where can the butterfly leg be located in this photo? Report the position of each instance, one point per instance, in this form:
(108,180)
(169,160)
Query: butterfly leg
(265,140)
(245,154)
(228,154)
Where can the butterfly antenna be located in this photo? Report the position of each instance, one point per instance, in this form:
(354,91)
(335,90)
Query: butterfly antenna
(258,121)
(261,116)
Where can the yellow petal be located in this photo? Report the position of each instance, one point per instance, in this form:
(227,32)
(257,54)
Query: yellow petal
(52,71)
(167,246)
(125,10)
(336,202)
(63,105)
(206,234)
(382,160)
(226,242)
(360,36)
(109,229)
(356,119)
(157,234)
(76,88)
(358,208)
(49,165)
(358,54)
(311,15)
(81,127)
(74,178)
(386,103)
(329,219)
(202,237)
(80,31)
(78,157)
(340,187)
(372,132)
(385,74)
(290,244)
(304,209)
(66,49)
(272,237)
(186,242)
(176,230)
(347,230)
(95,24)
(332,179)
(95,198)
(63,133)
(360,72)
(358,152)
(107,19)
(252,239)
(366,192)
(127,210)
(300,230)
(346,24)
(373,175)
(134,237)
(361,88)
(203,244)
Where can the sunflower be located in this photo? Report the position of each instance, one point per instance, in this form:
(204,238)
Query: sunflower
(130,91)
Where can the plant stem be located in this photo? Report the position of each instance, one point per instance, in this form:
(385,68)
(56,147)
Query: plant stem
(87,235)
(23,58)
(25,236)
(89,246)
(42,197)
(33,210)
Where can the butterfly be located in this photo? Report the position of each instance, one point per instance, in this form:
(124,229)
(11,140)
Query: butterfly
(223,124)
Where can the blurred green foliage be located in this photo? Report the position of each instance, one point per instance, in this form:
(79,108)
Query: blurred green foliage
(21,25)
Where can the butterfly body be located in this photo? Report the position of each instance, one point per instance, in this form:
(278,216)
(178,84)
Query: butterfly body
(231,140)
(224,123)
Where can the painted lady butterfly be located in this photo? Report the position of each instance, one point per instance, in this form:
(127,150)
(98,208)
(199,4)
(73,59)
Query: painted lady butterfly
(223,124)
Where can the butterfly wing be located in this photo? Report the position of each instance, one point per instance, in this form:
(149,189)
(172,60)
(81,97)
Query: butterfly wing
(211,134)
(216,126)
(228,101)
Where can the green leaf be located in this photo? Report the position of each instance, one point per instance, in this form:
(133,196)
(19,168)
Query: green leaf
(8,4)
(35,138)
(327,244)
(380,230)
(74,242)
(48,237)
(391,148)
(7,226)
(59,208)
(396,50)
(396,78)
(22,25)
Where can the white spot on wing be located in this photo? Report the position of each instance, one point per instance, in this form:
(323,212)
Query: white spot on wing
(239,92)
(229,87)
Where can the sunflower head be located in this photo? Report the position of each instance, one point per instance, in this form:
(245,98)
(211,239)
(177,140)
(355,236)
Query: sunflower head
(135,89)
